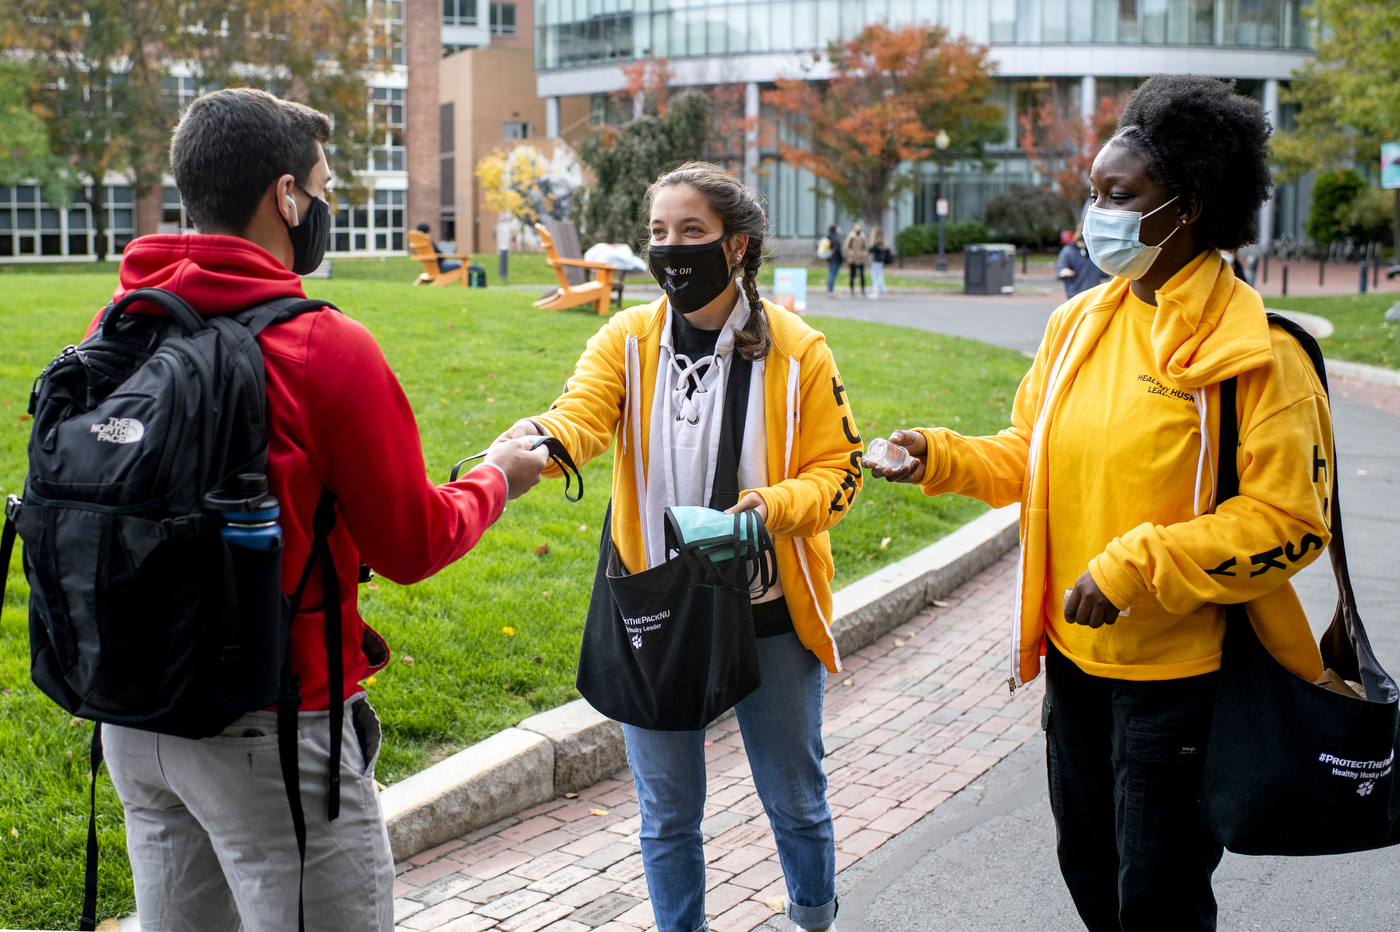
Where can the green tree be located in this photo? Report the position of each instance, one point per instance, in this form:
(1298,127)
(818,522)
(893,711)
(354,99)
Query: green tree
(625,160)
(24,140)
(315,52)
(1350,97)
(1029,215)
(1332,192)
(95,69)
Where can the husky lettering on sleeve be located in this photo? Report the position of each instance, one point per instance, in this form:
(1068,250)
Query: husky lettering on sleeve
(1318,464)
(1309,542)
(836,503)
(1224,569)
(838,389)
(1268,560)
(846,426)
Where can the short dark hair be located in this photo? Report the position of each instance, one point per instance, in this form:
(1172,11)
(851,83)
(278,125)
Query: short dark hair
(235,142)
(1196,134)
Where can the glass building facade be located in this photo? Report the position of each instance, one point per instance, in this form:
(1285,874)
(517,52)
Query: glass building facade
(30,227)
(578,33)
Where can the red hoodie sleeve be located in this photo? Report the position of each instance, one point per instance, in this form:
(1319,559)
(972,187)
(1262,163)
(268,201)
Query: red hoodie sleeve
(363,441)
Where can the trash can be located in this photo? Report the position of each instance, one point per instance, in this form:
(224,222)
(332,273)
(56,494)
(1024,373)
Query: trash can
(989,268)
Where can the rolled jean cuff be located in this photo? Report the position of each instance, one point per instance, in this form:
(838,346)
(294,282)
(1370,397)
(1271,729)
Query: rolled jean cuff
(812,917)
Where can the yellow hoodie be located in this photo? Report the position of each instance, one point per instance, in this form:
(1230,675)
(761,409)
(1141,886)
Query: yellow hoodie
(1163,565)
(813,448)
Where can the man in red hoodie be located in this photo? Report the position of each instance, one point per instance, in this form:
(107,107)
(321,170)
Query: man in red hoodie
(209,830)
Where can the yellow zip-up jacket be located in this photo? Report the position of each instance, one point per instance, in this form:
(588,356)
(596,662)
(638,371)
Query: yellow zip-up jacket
(1209,326)
(814,448)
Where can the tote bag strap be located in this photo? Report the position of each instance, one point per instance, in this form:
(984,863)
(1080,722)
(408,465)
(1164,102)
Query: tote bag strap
(725,493)
(1346,636)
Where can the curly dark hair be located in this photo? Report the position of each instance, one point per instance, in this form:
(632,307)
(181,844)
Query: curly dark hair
(1196,134)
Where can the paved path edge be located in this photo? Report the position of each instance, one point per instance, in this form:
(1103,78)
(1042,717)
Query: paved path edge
(1363,373)
(573,746)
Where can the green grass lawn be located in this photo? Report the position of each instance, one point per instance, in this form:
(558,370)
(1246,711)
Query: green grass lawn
(1362,333)
(471,362)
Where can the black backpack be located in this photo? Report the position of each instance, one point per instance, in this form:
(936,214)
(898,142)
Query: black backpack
(141,613)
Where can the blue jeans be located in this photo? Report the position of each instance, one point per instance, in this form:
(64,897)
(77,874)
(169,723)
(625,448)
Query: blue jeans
(833,269)
(781,722)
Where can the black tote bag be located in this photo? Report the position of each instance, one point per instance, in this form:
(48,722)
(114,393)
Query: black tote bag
(659,651)
(1293,768)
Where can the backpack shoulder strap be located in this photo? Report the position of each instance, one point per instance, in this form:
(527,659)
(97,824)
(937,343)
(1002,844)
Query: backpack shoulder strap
(277,311)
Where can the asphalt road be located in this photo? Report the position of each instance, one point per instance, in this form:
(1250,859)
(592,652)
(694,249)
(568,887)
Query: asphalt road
(985,859)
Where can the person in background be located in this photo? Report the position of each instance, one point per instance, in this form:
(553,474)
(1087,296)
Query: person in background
(879,255)
(835,260)
(1128,556)
(444,265)
(1075,268)
(857,252)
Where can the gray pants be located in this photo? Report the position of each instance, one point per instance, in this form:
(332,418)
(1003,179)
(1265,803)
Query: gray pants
(209,831)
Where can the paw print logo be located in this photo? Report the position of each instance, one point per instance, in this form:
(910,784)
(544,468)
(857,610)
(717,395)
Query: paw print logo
(1365,788)
(637,641)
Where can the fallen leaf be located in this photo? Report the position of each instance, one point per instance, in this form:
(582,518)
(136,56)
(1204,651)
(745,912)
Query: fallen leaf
(372,585)
(490,400)
(74,721)
(571,796)
(898,643)
(583,527)
(938,603)
(481,388)
(539,659)
(14,832)
(508,631)
(885,543)
(777,903)
(597,812)
(709,743)
(371,681)
(443,400)
(380,786)
(542,550)
(545,593)
(848,682)
(407,659)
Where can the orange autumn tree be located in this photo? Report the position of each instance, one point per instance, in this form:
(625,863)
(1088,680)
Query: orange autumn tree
(1062,146)
(889,94)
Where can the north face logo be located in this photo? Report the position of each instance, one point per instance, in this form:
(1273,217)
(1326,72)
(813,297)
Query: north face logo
(637,641)
(119,430)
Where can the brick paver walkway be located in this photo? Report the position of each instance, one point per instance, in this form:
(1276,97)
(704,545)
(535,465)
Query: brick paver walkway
(915,718)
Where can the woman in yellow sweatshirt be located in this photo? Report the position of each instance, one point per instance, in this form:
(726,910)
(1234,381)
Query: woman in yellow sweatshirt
(1127,558)
(656,378)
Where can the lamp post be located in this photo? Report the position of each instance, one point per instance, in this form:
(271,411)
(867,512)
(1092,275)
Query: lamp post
(940,206)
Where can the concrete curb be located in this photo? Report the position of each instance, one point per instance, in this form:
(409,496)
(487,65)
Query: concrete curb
(1364,373)
(574,746)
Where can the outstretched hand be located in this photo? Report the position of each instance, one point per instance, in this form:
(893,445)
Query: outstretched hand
(1086,604)
(524,427)
(521,465)
(917,445)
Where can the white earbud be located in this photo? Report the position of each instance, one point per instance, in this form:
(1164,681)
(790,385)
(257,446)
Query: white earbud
(296,216)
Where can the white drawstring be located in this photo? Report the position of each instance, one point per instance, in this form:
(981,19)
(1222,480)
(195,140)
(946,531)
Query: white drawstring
(1205,455)
(683,370)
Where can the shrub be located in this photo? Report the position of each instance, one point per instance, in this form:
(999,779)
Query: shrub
(1332,192)
(1029,215)
(922,239)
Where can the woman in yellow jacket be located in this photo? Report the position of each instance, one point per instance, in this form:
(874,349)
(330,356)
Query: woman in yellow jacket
(1127,558)
(655,378)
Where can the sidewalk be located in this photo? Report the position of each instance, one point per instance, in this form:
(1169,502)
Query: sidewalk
(913,719)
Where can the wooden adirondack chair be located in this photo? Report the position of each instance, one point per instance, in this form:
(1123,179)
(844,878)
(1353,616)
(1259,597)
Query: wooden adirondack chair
(421,247)
(597,292)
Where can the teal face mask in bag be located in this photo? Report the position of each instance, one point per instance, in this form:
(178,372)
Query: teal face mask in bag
(723,551)
(1111,236)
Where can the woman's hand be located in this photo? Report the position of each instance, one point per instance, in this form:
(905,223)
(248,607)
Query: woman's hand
(1086,604)
(912,441)
(521,428)
(751,501)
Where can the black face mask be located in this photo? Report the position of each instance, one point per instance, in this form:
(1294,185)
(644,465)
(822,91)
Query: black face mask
(691,276)
(310,237)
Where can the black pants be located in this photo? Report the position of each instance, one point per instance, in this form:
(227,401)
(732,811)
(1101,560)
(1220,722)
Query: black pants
(1125,761)
(854,269)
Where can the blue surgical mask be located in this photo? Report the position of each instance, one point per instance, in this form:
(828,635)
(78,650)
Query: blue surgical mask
(1111,237)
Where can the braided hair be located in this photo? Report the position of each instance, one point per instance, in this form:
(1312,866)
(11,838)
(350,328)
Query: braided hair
(1198,135)
(741,214)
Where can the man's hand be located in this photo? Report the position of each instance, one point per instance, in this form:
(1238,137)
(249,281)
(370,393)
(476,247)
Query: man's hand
(1066,273)
(1086,604)
(521,428)
(751,502)
(914,442)
(521,465)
